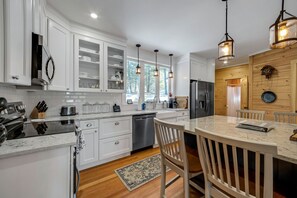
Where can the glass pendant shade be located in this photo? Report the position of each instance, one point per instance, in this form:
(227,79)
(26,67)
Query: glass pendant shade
(226,49)
(170,74)
(156,72)
(283,33)
(138,69)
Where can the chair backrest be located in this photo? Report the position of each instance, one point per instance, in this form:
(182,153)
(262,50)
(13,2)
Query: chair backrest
(219,160)
(287,117)
(171,141)
(250,114)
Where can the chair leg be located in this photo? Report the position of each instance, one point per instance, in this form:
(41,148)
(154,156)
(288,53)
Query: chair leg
(207,190)
(186,185)
(163,180)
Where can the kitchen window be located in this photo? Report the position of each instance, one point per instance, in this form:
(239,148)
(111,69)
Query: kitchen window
(146,85)
(132,89)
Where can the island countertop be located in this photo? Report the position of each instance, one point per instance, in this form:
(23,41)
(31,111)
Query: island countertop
(226,126)
(11,148)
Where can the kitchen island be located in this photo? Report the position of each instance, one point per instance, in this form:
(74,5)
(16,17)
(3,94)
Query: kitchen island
(285,162)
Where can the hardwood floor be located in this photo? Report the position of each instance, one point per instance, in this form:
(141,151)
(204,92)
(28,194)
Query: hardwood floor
(101,181)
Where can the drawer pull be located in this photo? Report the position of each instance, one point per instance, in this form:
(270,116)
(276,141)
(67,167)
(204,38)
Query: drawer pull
(89,125)
(15,77)
(116,123)
(116,142)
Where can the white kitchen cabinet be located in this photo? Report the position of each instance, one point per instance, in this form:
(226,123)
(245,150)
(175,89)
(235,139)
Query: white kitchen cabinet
(198,70)
(89,153)
(112,127)
(1,42)
(114,68)
(40,19)
(58,39)
(46,174)
(115,146)
(88,64)
(18,41)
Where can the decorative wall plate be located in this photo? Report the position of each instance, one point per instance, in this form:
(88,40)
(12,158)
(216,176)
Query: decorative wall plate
(268,96)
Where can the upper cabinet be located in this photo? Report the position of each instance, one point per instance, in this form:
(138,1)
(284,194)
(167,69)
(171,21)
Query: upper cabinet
(58,39)
(18,35)
(39,24)
(1,42)
(88,64)
(202,69)
(115,61)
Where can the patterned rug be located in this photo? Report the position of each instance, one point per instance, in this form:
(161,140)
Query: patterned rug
(139,173)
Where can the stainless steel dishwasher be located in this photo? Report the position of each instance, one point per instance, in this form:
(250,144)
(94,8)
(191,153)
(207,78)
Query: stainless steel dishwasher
(143,131)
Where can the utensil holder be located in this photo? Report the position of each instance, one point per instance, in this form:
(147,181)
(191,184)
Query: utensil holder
(37,115)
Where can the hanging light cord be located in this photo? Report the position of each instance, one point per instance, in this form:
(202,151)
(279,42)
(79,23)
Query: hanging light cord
(171,63)
(156,61)
(226,19)
(138,55)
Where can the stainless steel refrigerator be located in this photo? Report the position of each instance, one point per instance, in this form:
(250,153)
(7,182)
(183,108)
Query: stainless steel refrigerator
(201,99)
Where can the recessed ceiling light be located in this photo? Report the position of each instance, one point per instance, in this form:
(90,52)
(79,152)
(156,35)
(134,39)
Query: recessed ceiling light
(94,15)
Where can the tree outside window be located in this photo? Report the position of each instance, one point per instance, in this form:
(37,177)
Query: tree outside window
(132,89)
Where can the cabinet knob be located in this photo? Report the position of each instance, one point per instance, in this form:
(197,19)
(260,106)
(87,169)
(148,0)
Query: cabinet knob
(116,142)
(89,125)
(96,131)
(105,90)
(67,89)
(15,77)
(116,123)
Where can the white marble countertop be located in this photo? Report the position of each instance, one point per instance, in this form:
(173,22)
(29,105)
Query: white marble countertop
(105,115)
(226,126)
(23,146)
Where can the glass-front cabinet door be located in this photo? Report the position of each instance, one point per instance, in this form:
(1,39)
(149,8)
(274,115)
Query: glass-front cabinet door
(88,63)
(115,59)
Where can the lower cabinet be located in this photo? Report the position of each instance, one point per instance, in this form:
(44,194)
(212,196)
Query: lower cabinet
(89,153)
(112,147)
(46,174)
(105,140)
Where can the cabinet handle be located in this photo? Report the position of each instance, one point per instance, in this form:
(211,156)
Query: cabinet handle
(116,142)
(15,77)
(116,123)
(89,125)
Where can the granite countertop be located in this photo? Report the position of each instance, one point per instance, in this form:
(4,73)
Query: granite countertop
(104,115)
(23,146)
(226,126)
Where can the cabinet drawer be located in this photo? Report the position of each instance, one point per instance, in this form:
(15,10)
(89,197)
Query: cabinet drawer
(182,113)
(88,124)
(115,126)
(111,147)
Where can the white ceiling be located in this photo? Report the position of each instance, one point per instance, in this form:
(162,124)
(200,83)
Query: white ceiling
(181,26)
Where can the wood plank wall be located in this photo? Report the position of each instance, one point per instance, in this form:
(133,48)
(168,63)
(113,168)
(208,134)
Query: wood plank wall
(224,74)
(280,82)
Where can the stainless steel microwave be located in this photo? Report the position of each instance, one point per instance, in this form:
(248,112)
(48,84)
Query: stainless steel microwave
(43,65)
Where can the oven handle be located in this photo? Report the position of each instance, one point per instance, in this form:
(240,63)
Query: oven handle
(77,179)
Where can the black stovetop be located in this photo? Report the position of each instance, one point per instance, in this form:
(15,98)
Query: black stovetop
(34,129)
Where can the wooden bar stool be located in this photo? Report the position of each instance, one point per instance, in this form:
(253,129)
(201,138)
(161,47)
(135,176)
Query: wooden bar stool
(250,114)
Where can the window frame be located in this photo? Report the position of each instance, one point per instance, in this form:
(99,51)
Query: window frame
(142,79)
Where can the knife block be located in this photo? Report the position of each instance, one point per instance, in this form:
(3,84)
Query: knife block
(37,115)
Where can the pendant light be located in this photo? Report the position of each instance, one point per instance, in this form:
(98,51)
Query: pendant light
(156,71)
(138,68)
(226,47)
(283,32)
(170,75)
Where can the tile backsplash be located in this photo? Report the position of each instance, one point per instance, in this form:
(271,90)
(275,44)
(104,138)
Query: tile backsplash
(56,99)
